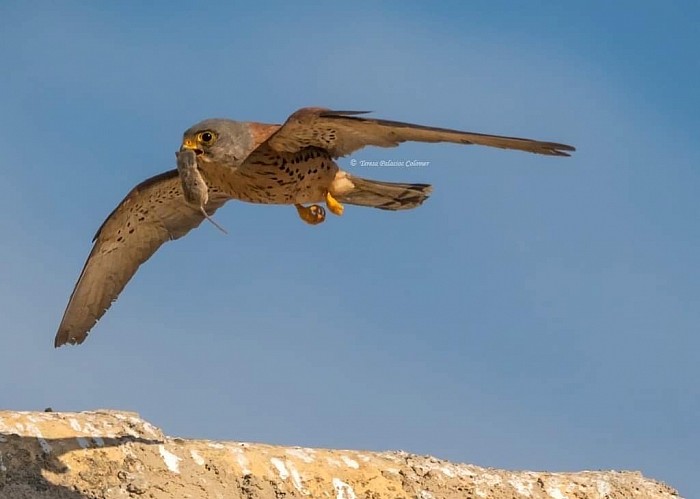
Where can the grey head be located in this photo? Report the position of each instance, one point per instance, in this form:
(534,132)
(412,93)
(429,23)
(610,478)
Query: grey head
(219,141)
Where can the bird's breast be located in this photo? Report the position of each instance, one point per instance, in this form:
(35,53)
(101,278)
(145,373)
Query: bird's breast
(302,177)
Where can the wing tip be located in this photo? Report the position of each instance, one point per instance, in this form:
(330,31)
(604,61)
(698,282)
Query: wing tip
(64,337)
(555,149)
(565,150)
(331,113)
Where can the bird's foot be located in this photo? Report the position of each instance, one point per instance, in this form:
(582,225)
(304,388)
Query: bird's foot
(312,215)
(333,205)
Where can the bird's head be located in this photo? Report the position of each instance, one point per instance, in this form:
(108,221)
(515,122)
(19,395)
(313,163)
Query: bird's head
(219,141)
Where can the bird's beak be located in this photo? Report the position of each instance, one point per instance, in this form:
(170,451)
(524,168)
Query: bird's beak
(191,144)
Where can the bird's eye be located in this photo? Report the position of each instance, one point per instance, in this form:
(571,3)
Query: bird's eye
(206,138)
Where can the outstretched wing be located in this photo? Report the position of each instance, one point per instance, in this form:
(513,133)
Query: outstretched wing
(342,132)
(153,213)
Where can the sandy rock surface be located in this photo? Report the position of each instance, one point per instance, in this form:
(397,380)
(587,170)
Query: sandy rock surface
(112,454)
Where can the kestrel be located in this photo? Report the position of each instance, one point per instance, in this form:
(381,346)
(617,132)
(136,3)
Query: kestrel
(293,164)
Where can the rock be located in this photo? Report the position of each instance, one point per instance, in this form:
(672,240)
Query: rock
(114,454)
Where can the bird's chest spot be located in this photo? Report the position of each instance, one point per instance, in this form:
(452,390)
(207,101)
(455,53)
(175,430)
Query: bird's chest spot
(296,178)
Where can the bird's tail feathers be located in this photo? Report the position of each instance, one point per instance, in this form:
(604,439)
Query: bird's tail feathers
(386,195)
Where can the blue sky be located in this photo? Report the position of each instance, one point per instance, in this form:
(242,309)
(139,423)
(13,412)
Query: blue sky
(535,313)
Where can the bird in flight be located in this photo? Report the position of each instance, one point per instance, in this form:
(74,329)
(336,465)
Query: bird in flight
(290,164)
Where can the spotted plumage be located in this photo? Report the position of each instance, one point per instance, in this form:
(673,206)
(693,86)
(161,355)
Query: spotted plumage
(293,164)
(287,178)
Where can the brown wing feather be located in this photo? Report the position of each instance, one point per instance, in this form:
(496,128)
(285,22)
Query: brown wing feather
(342,132)
(153,213)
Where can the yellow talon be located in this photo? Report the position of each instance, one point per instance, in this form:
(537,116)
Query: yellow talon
(312,215)
(333,205)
